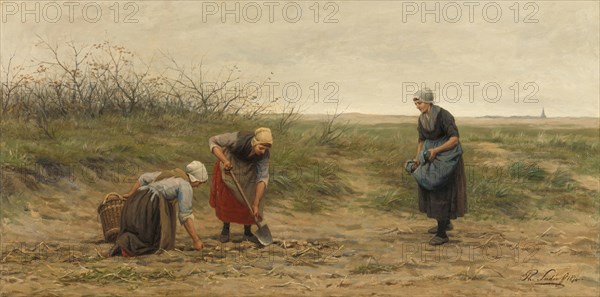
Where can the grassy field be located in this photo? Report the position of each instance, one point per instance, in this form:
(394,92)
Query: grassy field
(512,171)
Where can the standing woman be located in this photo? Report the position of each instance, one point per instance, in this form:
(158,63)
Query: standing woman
(439,166)
(245,154)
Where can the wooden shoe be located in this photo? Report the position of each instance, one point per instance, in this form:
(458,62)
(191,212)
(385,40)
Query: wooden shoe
(436,240)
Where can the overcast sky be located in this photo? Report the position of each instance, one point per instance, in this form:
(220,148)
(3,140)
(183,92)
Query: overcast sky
(369,55)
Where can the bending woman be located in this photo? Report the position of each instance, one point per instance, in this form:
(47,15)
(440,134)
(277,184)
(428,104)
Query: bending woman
(245,154)
(148,217)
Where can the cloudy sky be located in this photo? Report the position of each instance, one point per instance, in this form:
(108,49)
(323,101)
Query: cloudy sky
(482,58)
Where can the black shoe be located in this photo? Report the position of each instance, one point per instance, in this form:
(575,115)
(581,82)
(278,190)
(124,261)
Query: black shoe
(436,240)
(251,237)
(224,237)
(433,230)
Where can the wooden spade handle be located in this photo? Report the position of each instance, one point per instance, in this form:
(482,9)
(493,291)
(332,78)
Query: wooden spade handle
(239,187)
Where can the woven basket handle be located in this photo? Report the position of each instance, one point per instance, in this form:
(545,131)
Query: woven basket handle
(112,194)
(104,201)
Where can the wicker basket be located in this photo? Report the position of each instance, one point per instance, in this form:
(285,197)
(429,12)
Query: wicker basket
(110,215)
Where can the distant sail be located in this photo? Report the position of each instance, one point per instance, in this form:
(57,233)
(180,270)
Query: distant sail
(543,115)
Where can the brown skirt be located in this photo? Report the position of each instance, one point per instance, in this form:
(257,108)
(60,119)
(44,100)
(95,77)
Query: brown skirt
(146,225)
(448,202)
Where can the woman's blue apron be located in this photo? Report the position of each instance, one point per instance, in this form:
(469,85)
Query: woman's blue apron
(435,175)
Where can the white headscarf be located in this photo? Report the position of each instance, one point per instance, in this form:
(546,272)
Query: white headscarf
(197,171)
(427,120)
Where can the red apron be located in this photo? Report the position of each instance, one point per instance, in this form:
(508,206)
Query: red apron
(227,207)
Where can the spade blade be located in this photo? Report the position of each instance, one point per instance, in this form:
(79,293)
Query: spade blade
(263,234)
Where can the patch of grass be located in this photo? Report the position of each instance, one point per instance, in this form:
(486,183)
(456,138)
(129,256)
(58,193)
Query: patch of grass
(530,171)
(495,195)
(307,201)
(499,137)
(393,200)
(561,201)
(561,179)
(576,199)
(13,204)
(15,157)
(578,146)
(314,187)
(296,171)
(372,267)
(122,140)
(327,181)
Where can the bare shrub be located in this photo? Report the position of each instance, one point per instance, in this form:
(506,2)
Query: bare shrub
(331,129)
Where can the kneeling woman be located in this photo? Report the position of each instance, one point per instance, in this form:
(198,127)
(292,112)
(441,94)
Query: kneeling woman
(148,217)
(247,155)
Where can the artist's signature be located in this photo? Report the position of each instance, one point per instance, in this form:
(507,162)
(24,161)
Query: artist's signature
(549,277)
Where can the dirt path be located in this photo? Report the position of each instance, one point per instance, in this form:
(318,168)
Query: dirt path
(352,250)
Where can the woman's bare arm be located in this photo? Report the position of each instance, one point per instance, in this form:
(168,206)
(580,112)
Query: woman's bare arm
(218,152)
(260,191)
(133,189)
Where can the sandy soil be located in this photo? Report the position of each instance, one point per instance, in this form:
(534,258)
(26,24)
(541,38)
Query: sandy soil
(51,246)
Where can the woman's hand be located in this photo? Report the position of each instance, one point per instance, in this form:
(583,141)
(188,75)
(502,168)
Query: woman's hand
(417,163)
(133,189)
(432,154)
(448,145)
(218,152)
(227,165)
(198,245)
